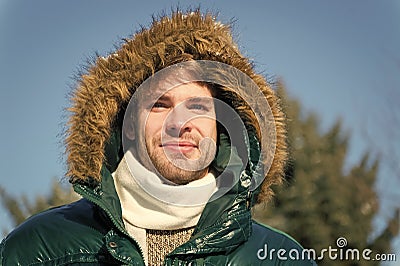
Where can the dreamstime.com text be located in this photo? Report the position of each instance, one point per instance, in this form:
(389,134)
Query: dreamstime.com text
(340,252)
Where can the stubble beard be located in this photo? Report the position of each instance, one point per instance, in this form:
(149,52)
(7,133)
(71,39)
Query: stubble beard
(173,167)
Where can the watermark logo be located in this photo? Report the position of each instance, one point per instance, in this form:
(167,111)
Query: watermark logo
(340,252)
(341,242)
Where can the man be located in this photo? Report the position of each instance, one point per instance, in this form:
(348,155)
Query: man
(168,142)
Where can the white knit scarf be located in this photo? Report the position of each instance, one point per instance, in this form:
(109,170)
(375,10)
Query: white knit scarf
(180,206)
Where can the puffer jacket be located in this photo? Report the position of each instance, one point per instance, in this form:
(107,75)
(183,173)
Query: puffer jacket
(91,231)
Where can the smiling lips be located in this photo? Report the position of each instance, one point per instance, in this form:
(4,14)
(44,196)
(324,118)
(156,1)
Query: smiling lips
(179,146)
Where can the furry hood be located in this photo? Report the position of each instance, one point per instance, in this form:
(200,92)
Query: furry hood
(102,93)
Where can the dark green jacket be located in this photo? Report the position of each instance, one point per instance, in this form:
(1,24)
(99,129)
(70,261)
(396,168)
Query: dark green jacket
(91,232)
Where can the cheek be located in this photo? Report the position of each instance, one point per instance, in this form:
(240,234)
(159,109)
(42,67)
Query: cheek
(153,125)
(208,128)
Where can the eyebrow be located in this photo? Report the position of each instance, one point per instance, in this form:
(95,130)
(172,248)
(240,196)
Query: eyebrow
(204,99)
(164,98)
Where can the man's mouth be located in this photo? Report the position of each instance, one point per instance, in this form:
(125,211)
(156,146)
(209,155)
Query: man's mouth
(179,146)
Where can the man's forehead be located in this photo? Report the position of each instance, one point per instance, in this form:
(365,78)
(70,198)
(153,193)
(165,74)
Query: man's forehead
(194,91)
(190,89)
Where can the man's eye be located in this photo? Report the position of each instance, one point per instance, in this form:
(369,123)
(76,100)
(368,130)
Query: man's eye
(199,107)
(159,105)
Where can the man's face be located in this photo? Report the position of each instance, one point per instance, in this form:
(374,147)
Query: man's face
(180,133)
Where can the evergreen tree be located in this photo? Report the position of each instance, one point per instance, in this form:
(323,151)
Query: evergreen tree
(319,202)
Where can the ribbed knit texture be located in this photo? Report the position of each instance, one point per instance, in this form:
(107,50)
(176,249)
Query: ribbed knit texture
(162,242)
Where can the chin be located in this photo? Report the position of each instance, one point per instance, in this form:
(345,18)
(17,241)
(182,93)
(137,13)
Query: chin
(181,177)
(180,170)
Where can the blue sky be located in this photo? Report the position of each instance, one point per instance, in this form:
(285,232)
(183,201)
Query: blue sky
(339,58)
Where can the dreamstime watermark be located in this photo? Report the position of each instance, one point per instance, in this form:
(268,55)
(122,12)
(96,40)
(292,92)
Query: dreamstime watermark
(340,252)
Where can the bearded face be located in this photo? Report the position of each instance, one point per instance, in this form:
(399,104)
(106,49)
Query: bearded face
(179,134)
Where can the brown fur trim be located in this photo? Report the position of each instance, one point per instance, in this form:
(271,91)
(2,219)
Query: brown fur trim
(110,82)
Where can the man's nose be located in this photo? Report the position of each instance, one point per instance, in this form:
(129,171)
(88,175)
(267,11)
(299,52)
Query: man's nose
(178,122)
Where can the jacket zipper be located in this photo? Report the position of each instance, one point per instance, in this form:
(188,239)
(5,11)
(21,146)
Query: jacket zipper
(86,194)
